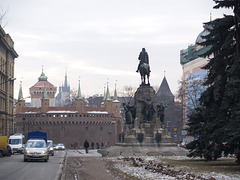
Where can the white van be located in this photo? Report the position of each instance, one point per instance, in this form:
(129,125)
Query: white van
(16,142)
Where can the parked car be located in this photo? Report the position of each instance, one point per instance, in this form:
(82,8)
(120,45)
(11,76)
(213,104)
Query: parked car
(50,146)
(5,149)
(36,149)
(60,146)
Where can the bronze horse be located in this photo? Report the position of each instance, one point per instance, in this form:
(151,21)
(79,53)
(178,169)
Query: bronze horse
(144,71)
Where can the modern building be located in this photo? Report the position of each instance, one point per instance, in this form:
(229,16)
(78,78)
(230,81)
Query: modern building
(192,65)
(63,97)
(7,57)
(37,90)
(72,125)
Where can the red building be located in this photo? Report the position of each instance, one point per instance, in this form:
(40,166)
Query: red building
(37,90)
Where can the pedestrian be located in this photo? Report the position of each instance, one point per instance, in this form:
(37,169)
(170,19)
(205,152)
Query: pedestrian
(92,144)
(97,145)
(86,146)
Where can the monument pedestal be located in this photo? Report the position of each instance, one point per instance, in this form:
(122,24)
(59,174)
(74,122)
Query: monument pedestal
(147,129)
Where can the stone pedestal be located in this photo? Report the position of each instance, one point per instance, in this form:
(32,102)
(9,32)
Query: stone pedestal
(147,127)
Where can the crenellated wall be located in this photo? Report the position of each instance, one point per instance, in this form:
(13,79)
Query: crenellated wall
(71,128)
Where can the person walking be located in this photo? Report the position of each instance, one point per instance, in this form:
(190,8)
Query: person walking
(86,146)
(92,144)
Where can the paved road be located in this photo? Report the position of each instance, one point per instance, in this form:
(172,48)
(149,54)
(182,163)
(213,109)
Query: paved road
(82,166)
(14,167)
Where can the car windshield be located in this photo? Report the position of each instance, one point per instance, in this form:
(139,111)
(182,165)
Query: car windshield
(60,145)
(15,141)
(36,144)
(49,144)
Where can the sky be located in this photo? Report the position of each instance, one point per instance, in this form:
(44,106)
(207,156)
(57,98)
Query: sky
(98,41)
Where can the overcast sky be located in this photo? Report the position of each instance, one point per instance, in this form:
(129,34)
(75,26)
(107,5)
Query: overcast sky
(100,40)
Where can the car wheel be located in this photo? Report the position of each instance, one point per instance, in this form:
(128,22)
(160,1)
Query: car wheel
(45,160)
(25,160)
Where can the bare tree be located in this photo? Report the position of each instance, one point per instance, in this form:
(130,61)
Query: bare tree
(127,94)
(71,101)
(190,91)
(3,16)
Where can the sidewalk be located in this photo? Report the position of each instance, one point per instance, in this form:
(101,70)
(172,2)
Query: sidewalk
(81,166)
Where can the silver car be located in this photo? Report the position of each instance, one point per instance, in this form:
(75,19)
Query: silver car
(50,146)
(36,149)
(60,146)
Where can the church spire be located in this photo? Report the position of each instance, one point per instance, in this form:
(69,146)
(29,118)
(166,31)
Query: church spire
(65,82)
(20,94)
(79,96)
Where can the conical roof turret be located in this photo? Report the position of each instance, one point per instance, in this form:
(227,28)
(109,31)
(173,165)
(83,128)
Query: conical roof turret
(115,97)
(45,96)
(79,95)
(108,97)
(20,94)
(164,93)
(164,89)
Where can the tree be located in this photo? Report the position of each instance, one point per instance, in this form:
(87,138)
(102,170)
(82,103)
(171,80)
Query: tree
(3,14)
(70,101)
(127,94)
(216,122)
(191,93)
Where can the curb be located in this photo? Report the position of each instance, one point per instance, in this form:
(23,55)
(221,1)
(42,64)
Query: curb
(61,170)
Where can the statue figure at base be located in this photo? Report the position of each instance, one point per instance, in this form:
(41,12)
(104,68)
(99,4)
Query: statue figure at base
(160,110)
(130,113)
(148,110)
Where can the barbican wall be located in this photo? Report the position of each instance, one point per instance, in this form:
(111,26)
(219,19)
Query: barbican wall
(71,128)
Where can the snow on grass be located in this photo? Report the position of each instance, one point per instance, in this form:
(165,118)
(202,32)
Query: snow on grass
(152,168)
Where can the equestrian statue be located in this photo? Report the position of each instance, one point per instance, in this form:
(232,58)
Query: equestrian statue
(143,66)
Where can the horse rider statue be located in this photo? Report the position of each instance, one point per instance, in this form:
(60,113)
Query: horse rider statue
(143,66)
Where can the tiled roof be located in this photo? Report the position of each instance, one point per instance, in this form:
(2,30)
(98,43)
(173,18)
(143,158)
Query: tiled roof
(41,84)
